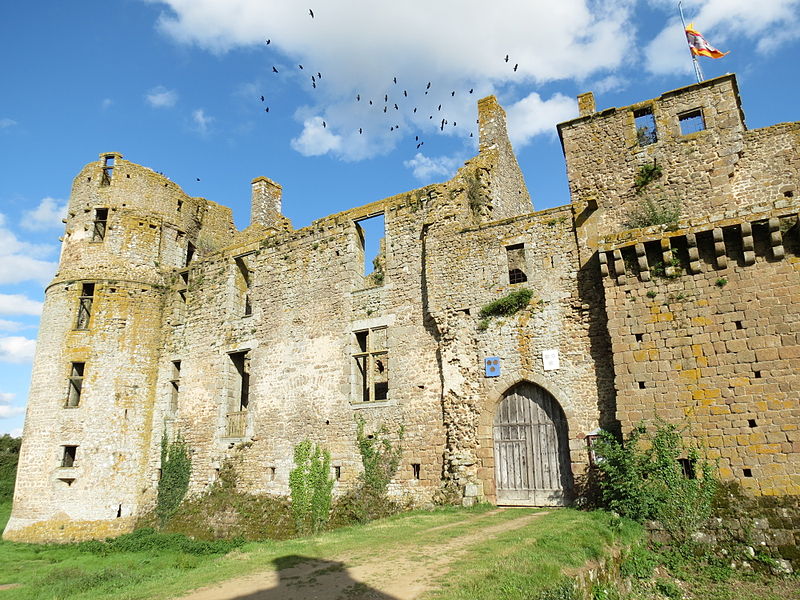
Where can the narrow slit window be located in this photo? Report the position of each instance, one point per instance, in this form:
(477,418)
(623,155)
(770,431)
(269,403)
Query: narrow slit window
(239,398)
(175,386)
(68,457)
(108,170)
(415,470)
(190,249)
(371,236)
(371,365)
(516,263)
(75,384)
(645,124)
(691,122)
(100,222)
(337,472)
(85,306)
(687,468)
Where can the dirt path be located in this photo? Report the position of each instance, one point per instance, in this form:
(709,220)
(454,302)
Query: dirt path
(402,573)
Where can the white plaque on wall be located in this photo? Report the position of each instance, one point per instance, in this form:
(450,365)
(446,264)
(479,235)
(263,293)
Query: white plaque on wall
(550,360)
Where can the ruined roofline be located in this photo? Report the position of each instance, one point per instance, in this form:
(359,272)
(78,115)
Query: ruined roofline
(588,111)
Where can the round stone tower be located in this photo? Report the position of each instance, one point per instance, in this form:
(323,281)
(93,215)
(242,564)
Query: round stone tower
(89,427)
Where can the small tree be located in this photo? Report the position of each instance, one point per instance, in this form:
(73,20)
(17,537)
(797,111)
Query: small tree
(644,479)
(311,487)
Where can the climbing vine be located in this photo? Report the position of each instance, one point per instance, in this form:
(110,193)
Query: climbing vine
(311,487)
(176,469)
(379,456)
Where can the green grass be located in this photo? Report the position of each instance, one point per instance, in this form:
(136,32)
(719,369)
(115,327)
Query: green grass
(531,555)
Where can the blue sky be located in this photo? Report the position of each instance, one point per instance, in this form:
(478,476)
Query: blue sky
(176,84)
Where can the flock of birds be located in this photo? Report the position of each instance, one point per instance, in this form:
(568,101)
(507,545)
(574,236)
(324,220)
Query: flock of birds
(388,105)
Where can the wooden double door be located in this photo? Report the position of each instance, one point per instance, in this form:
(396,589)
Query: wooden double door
(531,449)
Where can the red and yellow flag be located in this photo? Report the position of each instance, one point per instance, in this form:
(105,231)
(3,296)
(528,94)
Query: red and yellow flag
(698,44)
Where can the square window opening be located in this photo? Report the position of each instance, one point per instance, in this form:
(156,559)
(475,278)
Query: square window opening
(641,385)
(751,423)
(747,472)
(645,124)
(691,122)
(639,336)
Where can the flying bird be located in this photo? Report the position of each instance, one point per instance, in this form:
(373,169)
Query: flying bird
(386,97)
(301,66)
(274,70)
(358,97)
(470,135)
(198,179)
(454,123)
(268,41)
(314,85)
(384,109)
(416,138)
(391,128)
(441,127)
(319,75)
(370,102)
(428,86)
(311,12)
(470,90)
(415,109)
(395,107)
(506,57)
(440,107)
(405,93)
(516,66)
(452,93)
(266,109)
(262,98)
(394,79)
(420,144)
(324,124)
(360,130)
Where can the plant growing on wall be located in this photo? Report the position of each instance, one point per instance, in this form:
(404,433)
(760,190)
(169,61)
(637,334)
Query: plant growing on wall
(379,456)
(650,212)
(507,305)
(654,475)
(176,469)
(311,487)
(646,174)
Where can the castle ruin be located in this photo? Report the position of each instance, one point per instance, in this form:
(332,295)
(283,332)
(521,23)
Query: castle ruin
(163,318)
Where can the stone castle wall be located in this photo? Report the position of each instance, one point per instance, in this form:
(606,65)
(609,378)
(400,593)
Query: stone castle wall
(187,312)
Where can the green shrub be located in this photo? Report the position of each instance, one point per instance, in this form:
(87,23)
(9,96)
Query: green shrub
(650,212)
(176,469)
(150,540)
(9,456)
(638,563)
(311,487)
(642,479)
(646,175)
(507,305)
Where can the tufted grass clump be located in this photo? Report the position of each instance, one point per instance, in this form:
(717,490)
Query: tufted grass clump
(508,304)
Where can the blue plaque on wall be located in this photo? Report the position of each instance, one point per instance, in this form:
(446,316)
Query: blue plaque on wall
(491,365)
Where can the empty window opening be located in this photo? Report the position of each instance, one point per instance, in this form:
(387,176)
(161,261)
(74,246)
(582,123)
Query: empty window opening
(639,336)
(691,122)
(85,306)
(244,276)
(516,263)
(788,194)
(175,385)
(337,472)
(641,385)
(189,253)
(687,468)
(371,238)
(415,470)
(747,472)
(75,384)
(100,221)
(645,126)
(757,374)
(119,511)
(271,473)
(241,362)
(68,458)
(108,161)
(738,325)
(108,170)
(180,205)
(371,364)
(751,423)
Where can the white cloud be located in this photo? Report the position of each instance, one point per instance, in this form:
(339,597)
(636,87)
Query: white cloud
(22,261)
(426,167)
(8,326)
(17,304)
(6,122)
(532,116)
(16,349)
(161,97)
(6,410)
(201,121)
(361,45)
(47,215)
(106,103)
(316,138)
(771,23)
(6,397)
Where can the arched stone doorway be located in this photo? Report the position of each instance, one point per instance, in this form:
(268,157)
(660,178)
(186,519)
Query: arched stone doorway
(531,449)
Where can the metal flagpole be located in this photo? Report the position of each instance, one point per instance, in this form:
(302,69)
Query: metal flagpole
(697,72)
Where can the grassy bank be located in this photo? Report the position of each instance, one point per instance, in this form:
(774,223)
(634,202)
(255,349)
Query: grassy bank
(530,557)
